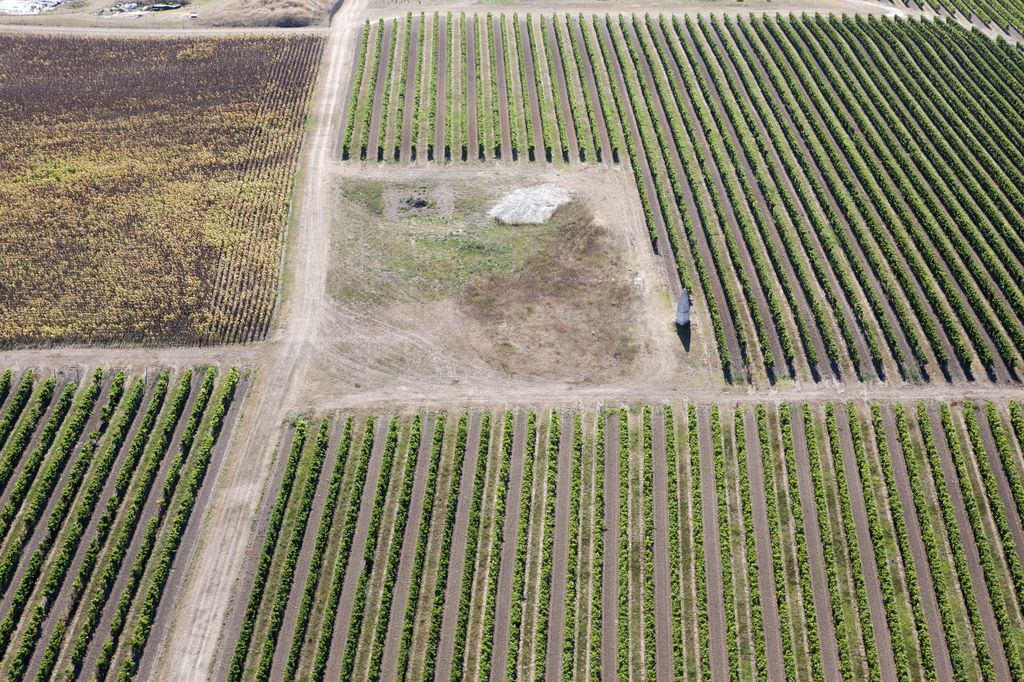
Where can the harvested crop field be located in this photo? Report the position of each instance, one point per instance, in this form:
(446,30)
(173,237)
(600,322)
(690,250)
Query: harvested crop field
(146,186)
(102,479)
(503,544)
(843,206)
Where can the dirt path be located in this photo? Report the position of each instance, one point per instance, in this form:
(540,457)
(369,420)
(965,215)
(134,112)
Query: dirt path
(556,622)
(1005,494)
(402,584)
(501,77)
(449,621)
(589,81)
(765,572)
(502,616)
(879,625)
(193,644)
(60,607)
(560,90)
(375,145)
(816,558)
(171,599)
(409,97)
(937,636)
(712,548)
(992,635)
(662,571)
(441,96)
(291,614)
(532,101)
(610,572)
(355,565)
(472,121)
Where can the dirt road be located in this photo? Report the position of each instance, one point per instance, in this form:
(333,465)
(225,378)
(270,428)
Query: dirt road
(193,644)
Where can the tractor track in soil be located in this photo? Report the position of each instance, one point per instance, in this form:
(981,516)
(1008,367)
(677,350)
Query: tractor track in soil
(532,102)
(441,69)
(748,266)
(762,533)
(409,97)
(940,651)
(662,570)
(39,528)
(992,635)
(456,567)
(188,546)
(712,548)
(561,90)
(610,573)
(1005,494)
(291,613)
(389,667)
(589,81)
(59,608)
(375,95)
(559,565)
(502,615)
(504,111)
(816,557)
(354,567)
(879,624)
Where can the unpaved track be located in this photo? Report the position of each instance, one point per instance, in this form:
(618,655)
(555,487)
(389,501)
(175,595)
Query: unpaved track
(60,607)
(937,635)
(355,567)
(375,142)
(457,566)
(883,639)
(291,613)
(502,615)
(816,557)
(762,533)
(409,96)
(501,79)
(988,619)
(559,583)
(186,550)
(590,82)
(610,572)
(193,645)
(397,618)
(559,87)
(1005,494)
(712,548)
(662,572)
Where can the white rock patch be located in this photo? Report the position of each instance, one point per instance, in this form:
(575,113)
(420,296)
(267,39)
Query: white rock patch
(530,205)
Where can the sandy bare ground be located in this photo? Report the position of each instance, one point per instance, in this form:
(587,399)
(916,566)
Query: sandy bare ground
(402,584)
(992,636)
(449,621)
(556,624)
(502,614)
(712,548)
(610,571)
(762,533)
(193,644)
(879,624)
(662,571)
(816,558)
(943,665)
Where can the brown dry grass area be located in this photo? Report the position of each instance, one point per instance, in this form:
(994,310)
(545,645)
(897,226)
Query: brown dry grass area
(450,300)
(283,13)
(568,308)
